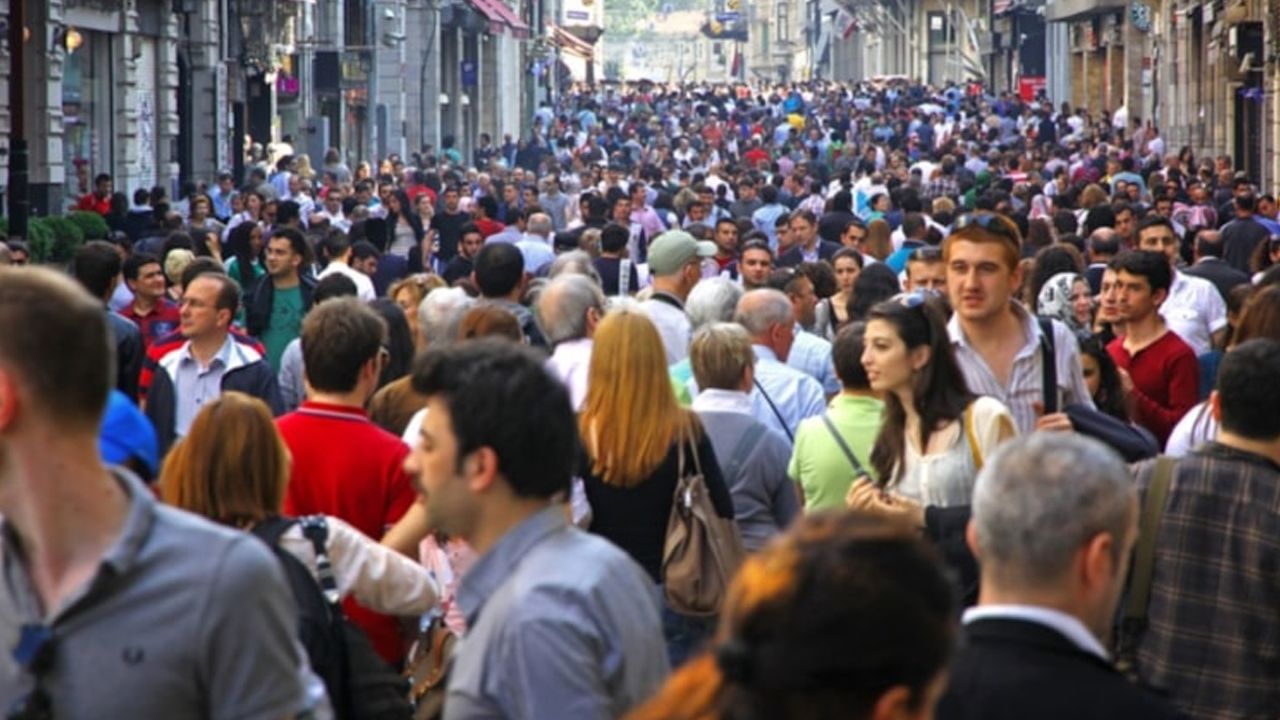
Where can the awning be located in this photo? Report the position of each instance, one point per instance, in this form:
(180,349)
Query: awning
(500,16)
(1068,10)
(571,44)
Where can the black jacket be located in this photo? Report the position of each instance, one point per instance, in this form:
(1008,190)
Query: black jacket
(1009,669)
(129,353)
(260,297)
(794,256)
(1217,271)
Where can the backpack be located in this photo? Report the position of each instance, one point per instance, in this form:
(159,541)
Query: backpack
(360,684)
(702,550)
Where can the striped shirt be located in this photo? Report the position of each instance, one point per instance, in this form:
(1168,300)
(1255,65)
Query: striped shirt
(1026,382)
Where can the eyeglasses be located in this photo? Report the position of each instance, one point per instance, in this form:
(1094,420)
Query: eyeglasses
(34,654)
(993,223)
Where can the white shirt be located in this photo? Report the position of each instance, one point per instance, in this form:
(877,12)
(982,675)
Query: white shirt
(673,327)
(1194,310)
(364,286)
(717,400)
(571,362)
(1066,625)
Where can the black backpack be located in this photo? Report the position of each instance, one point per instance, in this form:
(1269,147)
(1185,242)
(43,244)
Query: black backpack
(360,684)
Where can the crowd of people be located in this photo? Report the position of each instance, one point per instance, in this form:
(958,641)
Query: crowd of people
(942,360)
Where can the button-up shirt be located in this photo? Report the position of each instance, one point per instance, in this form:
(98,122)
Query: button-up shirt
(563,625)
(1025,386)
(571,362)
(196,384)
(794,394)
(668,316)
(811,355)
(1195,310)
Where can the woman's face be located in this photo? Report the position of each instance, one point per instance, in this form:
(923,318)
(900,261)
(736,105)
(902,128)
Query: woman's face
(255,241)
(847,272)
(886,358)
(237,203)
(254,204)
(393,204)
(424,206)
(1092,373)
(404,299)
(1082,303)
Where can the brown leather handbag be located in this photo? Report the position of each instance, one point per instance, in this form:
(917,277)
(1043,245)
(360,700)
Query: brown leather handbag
(428,669)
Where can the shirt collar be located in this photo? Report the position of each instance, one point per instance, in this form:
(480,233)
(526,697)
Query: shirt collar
(1066,625)
(1030,330)
(494,568)
(764,353)
(716,400)
(222,356)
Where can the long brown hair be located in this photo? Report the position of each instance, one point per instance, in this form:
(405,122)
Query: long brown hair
(232,467)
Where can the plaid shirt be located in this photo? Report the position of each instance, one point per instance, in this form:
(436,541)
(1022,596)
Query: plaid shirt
(943,186)
(1213,636)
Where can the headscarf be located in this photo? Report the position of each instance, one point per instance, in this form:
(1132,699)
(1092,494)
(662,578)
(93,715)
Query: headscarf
(1054,300)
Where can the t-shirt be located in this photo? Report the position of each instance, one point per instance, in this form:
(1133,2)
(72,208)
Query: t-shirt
(818,463)
(610,269)
(448,227)
(285,323)
(163,319)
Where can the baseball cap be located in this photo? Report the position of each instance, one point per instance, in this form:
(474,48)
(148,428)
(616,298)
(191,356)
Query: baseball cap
(127,434)
(674,249)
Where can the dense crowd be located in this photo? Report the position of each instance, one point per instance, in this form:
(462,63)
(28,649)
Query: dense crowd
(804,401)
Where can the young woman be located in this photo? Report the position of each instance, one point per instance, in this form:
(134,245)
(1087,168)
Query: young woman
(632,431)
(1102,379)
(833,312)
(252,212)
(404,227)
(1065,297)
(244,246)
(935,434)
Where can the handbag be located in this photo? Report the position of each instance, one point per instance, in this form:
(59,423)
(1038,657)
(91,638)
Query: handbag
(702,550)
(427,668)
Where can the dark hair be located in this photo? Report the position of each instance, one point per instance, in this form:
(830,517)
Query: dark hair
(876,283)
(240,246)
(940,393)
(96,265)
(823,276)
(228,292)
(1209,244)
(287,211)
(1053,260)
(769,194)
(846,351)
(613,238)
(498,268)
(363,250)
(338,337)
(297,241)
(399,341)
(1150,264)
(135,262)
(756,245)
(489,205)
(201,266)
(850,253)
(1249,389)
(500,396)
(1110,395)
(336,244)
(1154,220)
(333,286)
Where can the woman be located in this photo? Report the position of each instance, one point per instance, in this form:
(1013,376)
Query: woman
(632,433)
(833,313)
(399,346)
(408,293)
(1265,255)
(936,435)
(878,243)
(1102,379)
(404,227)
(1066,297)
(844,616)
(244,245)
(876,283)
(304,169)
(252,212)
(233,467)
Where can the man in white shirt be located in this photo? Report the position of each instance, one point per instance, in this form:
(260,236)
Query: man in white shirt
(339,247)
(1194,309)
(568,310)
(783,396)
(675,261)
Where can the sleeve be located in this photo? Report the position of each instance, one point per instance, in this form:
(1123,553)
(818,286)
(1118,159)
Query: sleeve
(289,382)
(251,664)
(812,399)
(400,492)
(378,577)
(1215,309)
(714,478)
(129,352)
(269,391)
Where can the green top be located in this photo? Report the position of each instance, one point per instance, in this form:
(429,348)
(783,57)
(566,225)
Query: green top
(285,323)
(233,272)
(681,373)
(818,463)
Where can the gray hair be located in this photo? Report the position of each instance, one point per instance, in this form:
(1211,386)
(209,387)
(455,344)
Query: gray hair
(440,312)
(761,309)
(574,261)
(539,224)
(1041,497)
(563,304)
(712,300)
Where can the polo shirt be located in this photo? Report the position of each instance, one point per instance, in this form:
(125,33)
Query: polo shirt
(1166,381)
(347,467)
(818,463)
(163,319)
(182,619)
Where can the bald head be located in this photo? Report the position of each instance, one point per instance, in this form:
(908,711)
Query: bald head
(539,224)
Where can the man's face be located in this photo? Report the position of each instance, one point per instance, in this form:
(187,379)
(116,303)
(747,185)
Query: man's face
(435,468)
(637,198)
(451,200)
(510,195)
(1109,297)
(756,265)
(199,209)
(803,232)
(922,275)
(1164,208)
(150,282)
(103,188)
(471,244)
(853,237)
(1267,207)
(282,262)
(200,315)
(622,211)
(979,279)
(1160,239)
(1136,301)
(225,185)
(368,266)
(803,301)
(698,212)
(727,238)
(746,193)
(1125,224)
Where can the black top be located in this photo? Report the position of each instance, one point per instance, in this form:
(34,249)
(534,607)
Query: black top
(448,229)
(1239,239)
(459,267)
(635,518)
(609,269)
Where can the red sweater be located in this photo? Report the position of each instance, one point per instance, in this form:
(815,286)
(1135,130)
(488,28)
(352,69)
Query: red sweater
(345,466)
(1166,381)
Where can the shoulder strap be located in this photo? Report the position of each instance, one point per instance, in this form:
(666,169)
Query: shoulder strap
(742,450)
(316,529)
(1048,366)
(971,436)
(774,408)
(1135,610)
(624,277)
(848,451)
(270,530)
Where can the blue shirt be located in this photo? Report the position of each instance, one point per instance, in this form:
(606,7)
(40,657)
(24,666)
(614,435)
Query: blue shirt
(765,220)
(563,625)
(811,355)
(795,394)
(195,385)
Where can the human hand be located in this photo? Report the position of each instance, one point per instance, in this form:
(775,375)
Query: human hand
(864,496)
(1126,380)
(1056,422)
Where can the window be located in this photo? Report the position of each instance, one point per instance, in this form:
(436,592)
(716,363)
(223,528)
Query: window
(784,22)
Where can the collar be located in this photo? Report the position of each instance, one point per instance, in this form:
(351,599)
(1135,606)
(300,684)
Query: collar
(1066,625)
(716,400)
(579,346)
(764,353)
(337,412)
(1030,331)
(222,356)
(1213,448)
(496,566)
(663,296)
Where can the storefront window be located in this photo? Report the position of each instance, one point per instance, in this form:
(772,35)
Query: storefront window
(86,112)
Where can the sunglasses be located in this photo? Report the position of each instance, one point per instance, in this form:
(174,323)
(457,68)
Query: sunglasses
(993,223)
(34,653)
(925,254)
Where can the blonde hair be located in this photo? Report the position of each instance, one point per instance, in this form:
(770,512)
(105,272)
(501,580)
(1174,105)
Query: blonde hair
(175,262)
(630,416)
(719,354)
(232,467)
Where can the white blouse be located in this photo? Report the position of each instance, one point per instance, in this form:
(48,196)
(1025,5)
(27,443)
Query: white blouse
(946,479)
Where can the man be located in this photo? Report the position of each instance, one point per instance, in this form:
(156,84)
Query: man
(726,240)
(1215,532)
(643,213)
(765,219)
(809,354)
(1158,370)
(555,203)
(448,224)
(1241,236)
(472,240)
(756,264)
(98,201)
(535,243)
(276,302)
(333,212)
(484,215)
(96,266)
(1126,223)
(914,236)
(783,396)
(560,622)
(1035,645)
(675,262)
(499,275)
(1267,213)
(221,195)
(1193,307)
(208,363)
(926,271)
(637,239)
(1103,244)
(997,342)
(806,245)
(746,204)
(364,260)
(568,310)
(1210,265)
(91,559)
(340,257)
(832,224)
(344,465)
(152,310)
